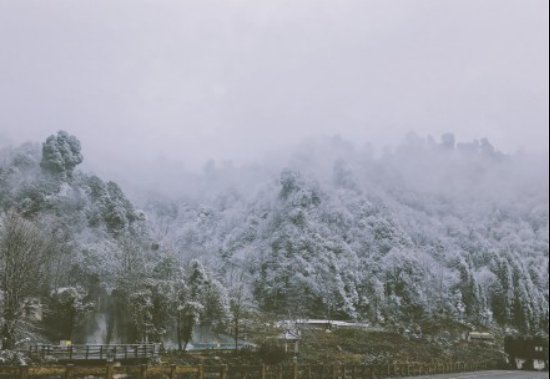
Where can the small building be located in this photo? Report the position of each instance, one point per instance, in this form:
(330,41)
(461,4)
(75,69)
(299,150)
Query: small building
(481,336)
(319,324)
(527,352)
(290,339)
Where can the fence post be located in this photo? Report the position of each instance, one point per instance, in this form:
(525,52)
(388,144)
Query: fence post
(172,371)
(143,372)
(223,372)
(200,372)
(110,370)
(295,369)
(263,372)
(69,371)
(23,372)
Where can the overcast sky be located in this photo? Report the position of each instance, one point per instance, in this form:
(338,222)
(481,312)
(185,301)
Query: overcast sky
(186,81)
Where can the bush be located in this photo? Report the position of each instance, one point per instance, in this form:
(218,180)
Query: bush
(271,353)
(12,358)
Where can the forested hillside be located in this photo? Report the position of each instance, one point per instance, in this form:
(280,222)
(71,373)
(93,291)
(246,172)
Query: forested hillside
(428,230)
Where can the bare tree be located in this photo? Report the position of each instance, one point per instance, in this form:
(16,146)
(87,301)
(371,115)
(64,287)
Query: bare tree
(23,250)
(236,309)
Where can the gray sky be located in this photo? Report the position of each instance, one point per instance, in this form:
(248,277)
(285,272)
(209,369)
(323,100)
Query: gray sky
(186,81)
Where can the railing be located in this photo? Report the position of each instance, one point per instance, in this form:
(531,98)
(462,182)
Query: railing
(293,371)
(95,352)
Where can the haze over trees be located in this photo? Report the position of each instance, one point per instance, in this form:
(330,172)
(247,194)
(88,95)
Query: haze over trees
(429,230)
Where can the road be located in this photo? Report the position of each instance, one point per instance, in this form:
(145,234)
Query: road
(492,374)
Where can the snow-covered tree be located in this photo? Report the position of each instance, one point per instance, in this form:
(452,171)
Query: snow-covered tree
(23,256)
(61,154)
(67,308)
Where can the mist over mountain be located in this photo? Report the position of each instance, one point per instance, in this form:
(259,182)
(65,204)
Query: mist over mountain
(430,230)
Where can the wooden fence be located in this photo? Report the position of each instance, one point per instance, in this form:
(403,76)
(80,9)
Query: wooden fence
(336,371)
(109,371)
(293,371)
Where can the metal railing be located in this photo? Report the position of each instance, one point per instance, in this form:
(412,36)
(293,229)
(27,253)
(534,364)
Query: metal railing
(95,352)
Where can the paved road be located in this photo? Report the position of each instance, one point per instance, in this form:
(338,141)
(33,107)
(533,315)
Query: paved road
(493,374)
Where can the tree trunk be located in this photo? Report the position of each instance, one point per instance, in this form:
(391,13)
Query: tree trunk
(178,332)
(236,334)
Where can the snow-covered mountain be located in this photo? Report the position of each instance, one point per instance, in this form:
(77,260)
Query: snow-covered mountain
(428,230)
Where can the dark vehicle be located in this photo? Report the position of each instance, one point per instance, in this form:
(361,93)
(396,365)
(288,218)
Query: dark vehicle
(527,353)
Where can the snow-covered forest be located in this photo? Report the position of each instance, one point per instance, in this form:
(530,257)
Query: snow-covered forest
(427,230)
